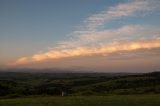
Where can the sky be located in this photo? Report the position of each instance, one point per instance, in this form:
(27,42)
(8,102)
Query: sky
(94,35)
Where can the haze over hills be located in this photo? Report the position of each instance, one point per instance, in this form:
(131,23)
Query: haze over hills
(52,70)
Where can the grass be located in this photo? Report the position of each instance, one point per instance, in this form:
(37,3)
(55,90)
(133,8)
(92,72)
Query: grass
(113,100)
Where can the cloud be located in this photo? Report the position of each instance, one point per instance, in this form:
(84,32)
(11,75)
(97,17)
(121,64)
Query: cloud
(107,36)
(90,40)
(23,60)
(90,31)
(122,10)
(104,50)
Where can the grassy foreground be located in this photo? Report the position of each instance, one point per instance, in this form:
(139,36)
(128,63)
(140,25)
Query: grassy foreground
(116,100)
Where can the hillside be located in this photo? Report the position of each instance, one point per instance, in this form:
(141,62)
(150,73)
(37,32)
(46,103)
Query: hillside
(15,84)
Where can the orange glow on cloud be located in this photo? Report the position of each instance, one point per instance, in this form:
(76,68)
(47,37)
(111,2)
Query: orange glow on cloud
(104,50)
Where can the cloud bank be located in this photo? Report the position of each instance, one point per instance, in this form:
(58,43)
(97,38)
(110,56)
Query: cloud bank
(105,50)
(91,39)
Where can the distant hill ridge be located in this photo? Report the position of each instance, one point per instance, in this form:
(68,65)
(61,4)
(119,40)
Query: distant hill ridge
(26,83)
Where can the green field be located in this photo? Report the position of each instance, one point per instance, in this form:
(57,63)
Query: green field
(114,100)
